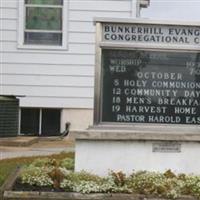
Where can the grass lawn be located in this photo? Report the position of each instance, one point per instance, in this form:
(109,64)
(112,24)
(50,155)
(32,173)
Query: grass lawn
(7,165)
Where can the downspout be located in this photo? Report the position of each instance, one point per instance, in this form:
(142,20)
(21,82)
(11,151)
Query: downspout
(135,9)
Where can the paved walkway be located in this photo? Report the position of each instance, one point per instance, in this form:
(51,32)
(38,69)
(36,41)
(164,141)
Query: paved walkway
(42,147)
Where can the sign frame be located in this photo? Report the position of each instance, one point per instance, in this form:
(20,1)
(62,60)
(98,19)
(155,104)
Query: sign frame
(100,45)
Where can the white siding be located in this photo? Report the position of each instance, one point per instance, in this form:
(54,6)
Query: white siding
(79,15)
(103,5)
(49,70)
(48,80)
(10,4)
(37,58)
(53,78)
(8,24)
(7,13)
(61,102)
(73,49)
(49,91)
(10,36)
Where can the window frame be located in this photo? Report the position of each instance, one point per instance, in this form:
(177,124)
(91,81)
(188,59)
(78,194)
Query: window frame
(40,121)
(22,28)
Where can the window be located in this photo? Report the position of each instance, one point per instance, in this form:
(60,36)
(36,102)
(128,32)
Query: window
(44,24)
(36,121)
(30,121)
(50,122)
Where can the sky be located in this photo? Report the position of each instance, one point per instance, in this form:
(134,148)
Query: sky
(187,10)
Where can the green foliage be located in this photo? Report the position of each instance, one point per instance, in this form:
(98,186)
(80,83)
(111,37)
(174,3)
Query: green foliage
(77,177)
(164,185)
(191,186)
(147,183)
(37,176)
(82,186)
(67,163)
(55,173)
(110,185)
(88,183)
(40,162)
(45,172)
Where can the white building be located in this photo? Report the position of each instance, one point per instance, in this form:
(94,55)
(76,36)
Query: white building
(48,55)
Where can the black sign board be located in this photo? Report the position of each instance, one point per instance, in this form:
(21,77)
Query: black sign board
(150,87)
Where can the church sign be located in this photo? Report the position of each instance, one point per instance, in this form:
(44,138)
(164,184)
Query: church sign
(152,34)
(147,72)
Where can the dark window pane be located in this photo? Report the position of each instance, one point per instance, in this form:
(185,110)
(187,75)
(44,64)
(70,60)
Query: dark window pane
(30,121)
(44,18)
(48,2)
(50,122)
(43,38)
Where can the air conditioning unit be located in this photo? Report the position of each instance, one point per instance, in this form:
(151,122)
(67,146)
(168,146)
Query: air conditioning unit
(9,116)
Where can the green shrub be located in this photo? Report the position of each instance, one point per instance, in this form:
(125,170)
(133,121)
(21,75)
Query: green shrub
(87,183)
(77,177)
(146,182)
(40,162)
(191,186)
(82,186)
(82,182)
(50,172)
(68,163)
(37,176)
(152,183)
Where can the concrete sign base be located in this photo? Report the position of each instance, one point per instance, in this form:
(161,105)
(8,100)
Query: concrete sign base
(99,151)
